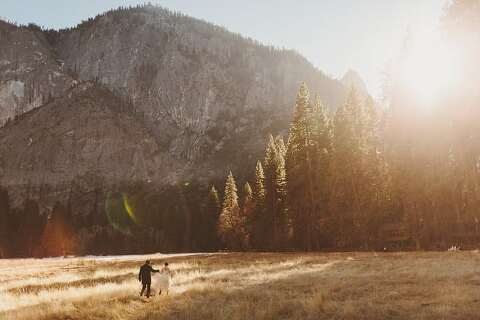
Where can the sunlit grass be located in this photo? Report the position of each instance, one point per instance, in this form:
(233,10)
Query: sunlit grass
(248,286)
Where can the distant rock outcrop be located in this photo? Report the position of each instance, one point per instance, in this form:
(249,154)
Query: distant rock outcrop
(352,79)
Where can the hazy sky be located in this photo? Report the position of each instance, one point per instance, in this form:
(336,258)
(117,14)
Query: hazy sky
(335,35)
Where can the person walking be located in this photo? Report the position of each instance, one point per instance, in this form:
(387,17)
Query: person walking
(145,277)
(163,281)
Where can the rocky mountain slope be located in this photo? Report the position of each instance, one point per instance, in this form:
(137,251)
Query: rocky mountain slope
(78,142)
(30,73)
(184,74)
(199,99)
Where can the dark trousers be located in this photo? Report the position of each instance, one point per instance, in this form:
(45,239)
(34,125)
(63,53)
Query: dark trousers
(145,285)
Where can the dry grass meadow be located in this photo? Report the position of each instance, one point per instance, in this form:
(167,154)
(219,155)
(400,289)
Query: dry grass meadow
(435,285)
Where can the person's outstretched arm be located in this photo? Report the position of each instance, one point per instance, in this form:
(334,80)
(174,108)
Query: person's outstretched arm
(154,270)
(140,275)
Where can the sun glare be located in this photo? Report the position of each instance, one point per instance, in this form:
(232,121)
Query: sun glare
(431,71)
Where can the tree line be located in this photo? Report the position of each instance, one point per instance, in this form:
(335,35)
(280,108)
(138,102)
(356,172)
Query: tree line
(179,218)
(358,178)
(326,187)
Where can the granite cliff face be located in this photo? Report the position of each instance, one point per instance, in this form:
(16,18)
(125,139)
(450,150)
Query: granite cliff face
(185,74)
(30,73)
(140,95)
(81,141)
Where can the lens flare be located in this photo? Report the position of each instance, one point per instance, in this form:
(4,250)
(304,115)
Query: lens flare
(129,208)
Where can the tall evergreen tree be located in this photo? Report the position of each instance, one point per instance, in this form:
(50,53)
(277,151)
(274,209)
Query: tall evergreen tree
(320,150)
(247,199)
(299,172)
(346,170)
(374,195)
(270,215)
(255,222)
(259,186)
(231,223)
(275,186)
(281,236)
(248,207)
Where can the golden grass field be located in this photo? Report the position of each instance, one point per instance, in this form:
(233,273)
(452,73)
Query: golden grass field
(435,285)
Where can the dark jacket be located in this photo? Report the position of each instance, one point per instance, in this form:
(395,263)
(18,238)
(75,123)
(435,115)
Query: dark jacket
(145,274)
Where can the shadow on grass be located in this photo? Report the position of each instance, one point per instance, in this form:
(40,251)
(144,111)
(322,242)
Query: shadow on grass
(83,283)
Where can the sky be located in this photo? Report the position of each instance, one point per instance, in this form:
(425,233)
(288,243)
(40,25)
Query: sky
(335,35)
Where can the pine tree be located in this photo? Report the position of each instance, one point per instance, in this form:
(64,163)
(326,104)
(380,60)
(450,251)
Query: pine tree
(275,185)
(346,170)
(259,186)
(248,207)
(320,150)
(270,215)
(321,135)
(247,199)
(282,223)
(374,195)
(299,173)
(281,148)
(256,221)
(231,223)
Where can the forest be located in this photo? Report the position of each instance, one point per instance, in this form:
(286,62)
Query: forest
(366,177)
(403,174)
(351,180)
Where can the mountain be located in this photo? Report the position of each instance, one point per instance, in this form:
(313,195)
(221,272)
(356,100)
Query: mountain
(185,75)
(81,140)
(353,79)
(30,73)
(198,99)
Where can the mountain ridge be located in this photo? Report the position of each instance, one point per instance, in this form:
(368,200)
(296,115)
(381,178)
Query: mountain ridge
(206,97)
